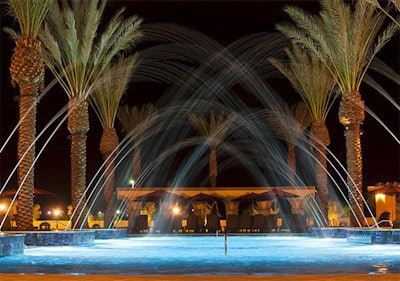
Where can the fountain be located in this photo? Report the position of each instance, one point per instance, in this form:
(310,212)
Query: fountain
(228,80)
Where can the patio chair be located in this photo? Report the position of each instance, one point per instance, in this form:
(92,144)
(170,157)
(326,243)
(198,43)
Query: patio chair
(270,223)
(44,226)
(257,223)
(244,223)
(232,224)
(384,220)
(191,223)
(139,225)
(177,224)
(212,223)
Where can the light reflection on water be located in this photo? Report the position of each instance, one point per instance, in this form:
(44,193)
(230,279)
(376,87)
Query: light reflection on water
(261,255)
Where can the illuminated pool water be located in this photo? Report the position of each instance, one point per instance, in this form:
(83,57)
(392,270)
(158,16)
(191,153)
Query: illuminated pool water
(192,255)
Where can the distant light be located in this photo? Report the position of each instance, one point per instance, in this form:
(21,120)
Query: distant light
(132,183)
(380,196)
(176,210)
(56,212)
(118,212)
(3,207)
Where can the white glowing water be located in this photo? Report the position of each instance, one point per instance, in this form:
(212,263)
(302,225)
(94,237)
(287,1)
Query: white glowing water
(200,255)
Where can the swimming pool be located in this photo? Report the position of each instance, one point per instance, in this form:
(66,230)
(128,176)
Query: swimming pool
(205,255)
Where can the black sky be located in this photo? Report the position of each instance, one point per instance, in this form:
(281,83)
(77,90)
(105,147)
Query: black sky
(225,22)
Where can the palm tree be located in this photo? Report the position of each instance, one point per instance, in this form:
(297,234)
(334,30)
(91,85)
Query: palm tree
(105,101)
(27,70)
(214,131)
(77,56)
(315,85)
(289,124)
(345,40)
(138,120)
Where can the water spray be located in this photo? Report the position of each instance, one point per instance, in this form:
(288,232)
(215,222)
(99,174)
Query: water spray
(226,243)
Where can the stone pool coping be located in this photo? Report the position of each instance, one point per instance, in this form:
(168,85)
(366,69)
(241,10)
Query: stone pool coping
(11,244)
(359,235)
(336,277)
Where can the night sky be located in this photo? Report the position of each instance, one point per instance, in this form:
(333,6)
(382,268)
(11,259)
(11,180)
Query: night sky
(225,22)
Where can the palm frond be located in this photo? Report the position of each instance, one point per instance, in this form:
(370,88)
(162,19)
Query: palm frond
(13,33)
(311,26)
(382,40)
(289,122)
(345,39)
(30,15)
(395,3)
(136,118)
(75,52)
(213,129)
(110,88)
(311,79)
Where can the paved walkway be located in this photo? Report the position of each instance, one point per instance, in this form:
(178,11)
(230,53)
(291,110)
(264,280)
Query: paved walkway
(339,277)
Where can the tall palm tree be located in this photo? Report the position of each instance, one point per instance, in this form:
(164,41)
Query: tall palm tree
(214,131)
(345,39)
(78,55)
(27,70)
(314,83)
(105,101)
(137,119)
(289,124)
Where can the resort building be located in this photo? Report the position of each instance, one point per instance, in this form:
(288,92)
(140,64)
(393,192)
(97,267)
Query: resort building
(161,209)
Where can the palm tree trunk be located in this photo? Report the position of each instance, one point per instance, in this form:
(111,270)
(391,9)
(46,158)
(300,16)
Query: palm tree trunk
(354,167)
(320,140)
(108,144)
(26,138)
(291,160)
(78,126)
(351,114)
(213,168)
(137,165)
(27,70)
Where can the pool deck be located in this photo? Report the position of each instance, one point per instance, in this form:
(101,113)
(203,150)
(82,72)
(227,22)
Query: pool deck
(338,277)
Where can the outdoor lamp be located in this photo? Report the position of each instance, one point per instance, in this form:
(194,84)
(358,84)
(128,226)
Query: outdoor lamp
(57,213)
(380,196)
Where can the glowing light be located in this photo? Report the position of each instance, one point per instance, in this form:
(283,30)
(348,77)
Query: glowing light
(57,212)
(3,207)
(132,183)
(380,196)
(176,210)
(118,212)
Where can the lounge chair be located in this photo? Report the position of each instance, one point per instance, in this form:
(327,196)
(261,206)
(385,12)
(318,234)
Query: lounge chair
(232,223)
(270,223)
(212,223)
(384,220)
(244,223)
(191,224)
(177,224)
(139,225)
(257,223)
